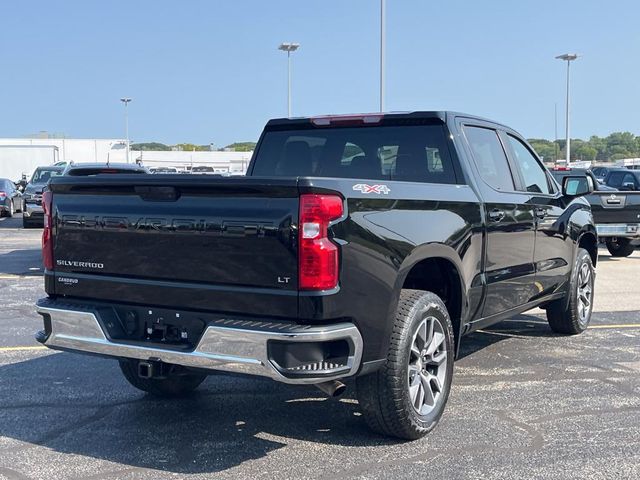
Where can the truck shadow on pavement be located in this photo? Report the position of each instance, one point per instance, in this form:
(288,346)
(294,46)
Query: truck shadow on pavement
(82,406)
(72,404)
(27,262)
(13,222)
(519,326)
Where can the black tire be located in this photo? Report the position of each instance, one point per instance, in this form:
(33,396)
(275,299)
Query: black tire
(567,315)
(620,247)
(384,396)
(173,385)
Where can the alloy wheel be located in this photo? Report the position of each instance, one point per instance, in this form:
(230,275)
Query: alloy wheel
(427,368)
(585,293)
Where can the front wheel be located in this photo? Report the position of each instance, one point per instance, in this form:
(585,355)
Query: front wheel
(620,247)
(173,384)
(407,396)
(572,315)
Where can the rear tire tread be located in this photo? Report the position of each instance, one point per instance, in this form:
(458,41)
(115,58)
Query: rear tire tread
(382,394)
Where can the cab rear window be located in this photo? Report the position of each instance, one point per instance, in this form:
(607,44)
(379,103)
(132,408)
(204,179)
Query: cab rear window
(416,153)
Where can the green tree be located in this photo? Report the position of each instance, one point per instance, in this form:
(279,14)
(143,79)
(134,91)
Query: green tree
(544,148)
(191,147)
(151,146)
(586,152)
(242,146)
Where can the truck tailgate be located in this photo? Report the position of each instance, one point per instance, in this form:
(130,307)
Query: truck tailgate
(615,207)
(223,244)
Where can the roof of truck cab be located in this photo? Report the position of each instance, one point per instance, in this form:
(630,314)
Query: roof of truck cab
(441,115)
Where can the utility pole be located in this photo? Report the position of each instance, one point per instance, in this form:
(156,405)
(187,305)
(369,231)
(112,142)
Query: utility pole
(126,101)
(568,57)
(555,120)
(383,35)
(289,47)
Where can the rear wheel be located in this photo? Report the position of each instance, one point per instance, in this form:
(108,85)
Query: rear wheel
(174,383)
(620,247)
(573,315)
(407,396)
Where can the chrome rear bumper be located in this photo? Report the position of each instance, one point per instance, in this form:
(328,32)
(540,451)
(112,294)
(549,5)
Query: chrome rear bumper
(628,230)
(228,345)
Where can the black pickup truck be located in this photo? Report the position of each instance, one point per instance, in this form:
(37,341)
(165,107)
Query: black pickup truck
(615,212)
(358,246)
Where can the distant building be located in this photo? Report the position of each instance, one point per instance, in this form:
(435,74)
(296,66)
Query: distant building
(221,162)
(20,156)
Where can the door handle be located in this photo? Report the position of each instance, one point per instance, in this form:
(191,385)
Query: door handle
(496,215)
(540,212)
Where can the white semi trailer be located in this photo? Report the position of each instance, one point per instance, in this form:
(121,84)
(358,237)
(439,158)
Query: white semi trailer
(18,161)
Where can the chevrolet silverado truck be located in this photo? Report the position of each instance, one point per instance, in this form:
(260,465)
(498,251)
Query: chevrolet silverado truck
(362,246)
(615,212)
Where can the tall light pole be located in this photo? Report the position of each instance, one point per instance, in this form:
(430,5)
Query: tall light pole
(383,35)
(568,57)
(289,47)
(126,101)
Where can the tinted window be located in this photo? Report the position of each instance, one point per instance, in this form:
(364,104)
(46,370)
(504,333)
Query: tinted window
(629,178)
(533,174)
(416,153)
(43,175)
(490,157)
(615,179)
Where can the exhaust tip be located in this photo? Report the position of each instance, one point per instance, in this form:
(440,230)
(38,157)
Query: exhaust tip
(333,388)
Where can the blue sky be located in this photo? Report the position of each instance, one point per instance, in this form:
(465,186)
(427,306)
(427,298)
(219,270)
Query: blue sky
(210,71)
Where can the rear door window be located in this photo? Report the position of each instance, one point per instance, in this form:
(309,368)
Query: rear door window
(489,157)
(415,153)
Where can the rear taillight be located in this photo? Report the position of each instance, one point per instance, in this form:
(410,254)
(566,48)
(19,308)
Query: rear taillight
(3,195)
(318,256)
(47,233)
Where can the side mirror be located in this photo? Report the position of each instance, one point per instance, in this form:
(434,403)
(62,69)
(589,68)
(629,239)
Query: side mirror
(577,186)
(628,186)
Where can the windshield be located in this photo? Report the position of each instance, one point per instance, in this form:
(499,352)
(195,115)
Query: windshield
(43,175)
(416,153)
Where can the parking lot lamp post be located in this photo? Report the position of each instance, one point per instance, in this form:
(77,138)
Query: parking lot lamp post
(568,57)
(382,52)
(289,47)
(126,101)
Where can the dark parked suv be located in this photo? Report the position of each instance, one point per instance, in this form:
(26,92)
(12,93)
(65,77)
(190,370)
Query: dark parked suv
(32,215)
(361,246)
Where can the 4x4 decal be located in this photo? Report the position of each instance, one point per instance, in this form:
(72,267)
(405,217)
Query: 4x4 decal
(377,189)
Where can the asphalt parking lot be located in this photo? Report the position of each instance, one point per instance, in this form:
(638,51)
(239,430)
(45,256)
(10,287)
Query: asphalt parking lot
(525,403)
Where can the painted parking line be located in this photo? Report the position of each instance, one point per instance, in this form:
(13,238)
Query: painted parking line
(21,349)
(599,327)
(620,325)
(19,277)
(515,333)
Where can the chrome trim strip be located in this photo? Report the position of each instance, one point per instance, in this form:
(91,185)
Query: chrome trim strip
(220,348)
